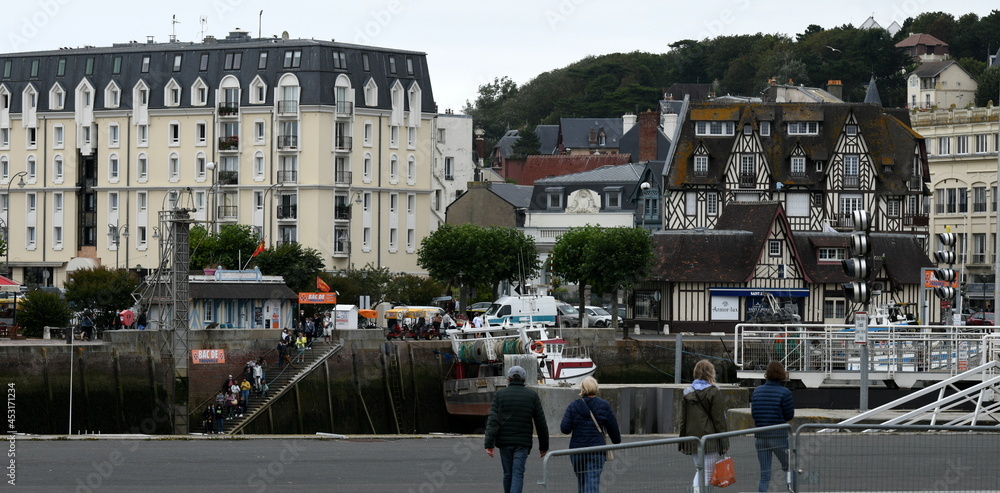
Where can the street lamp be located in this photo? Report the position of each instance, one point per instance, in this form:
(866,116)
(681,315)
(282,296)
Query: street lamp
(644,187)
(115,234)
(270,220)
(20,184)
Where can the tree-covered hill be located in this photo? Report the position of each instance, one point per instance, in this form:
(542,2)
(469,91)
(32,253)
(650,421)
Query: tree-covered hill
(610,85)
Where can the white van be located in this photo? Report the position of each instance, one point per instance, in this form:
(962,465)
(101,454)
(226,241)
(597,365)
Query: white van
(523,309)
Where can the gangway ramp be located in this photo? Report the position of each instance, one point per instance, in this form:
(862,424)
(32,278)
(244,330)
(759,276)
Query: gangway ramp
(826,355)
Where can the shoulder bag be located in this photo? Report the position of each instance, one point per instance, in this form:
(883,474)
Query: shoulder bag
(608,454)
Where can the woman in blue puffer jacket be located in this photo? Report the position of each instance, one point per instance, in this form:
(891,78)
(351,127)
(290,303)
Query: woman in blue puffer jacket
(579,421)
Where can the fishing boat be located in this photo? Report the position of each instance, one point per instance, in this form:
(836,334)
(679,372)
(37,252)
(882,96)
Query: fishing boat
(478,354)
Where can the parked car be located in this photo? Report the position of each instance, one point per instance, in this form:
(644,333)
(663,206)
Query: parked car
(981,318)
(569,316)
(599,317)
(479,308)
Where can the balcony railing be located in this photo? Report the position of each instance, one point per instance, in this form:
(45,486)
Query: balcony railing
(852,181)
(228,212)
(915,183)
(285,242)
(341,248)
(343,143)
(229,143)
(916,220)
(345,107)
(842,220)
(288,176)
(288,107)
(229,177)
(979,258)
(979,207)
(700,172)
(342,211)
(229,109)
(288,211)
(797,174)
(748,180)
(342,177)
(288,142)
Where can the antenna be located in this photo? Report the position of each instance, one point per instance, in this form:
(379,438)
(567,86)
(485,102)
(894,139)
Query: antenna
(204,21)
(173,28)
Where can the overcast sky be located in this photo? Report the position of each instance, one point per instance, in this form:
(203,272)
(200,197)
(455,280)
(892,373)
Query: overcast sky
(468,42)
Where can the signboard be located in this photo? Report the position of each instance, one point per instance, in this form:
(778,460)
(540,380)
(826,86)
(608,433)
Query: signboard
(318,298)
(725,308)
(963,356)
(208,356)
(861,327)
(931,282)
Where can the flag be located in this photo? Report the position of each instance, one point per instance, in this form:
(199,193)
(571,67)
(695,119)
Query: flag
(260,248)
(322,286)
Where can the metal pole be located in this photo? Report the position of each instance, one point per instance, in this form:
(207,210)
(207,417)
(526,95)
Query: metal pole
(996,247)
(678,357)
(863,402)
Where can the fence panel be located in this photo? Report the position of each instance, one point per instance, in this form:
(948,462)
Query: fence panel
(897,458)
(652,465)
(746,447)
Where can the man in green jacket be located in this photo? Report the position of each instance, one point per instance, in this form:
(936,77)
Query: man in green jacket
(514,410)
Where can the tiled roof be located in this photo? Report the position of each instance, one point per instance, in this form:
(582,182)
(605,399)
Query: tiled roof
(575,132)
(704,256)
(515,195)
(609,173)
(920,39)
(904,257)
(538,167)
(931,69)
(889,140)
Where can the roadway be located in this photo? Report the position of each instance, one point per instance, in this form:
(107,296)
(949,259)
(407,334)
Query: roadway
(425,464)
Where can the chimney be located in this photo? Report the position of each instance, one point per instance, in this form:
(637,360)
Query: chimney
(647,136)
(628,121)
(836,88)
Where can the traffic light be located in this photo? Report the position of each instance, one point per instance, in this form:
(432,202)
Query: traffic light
(860,266)
(948,274)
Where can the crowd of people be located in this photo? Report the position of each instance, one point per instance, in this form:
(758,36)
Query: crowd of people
(234,397)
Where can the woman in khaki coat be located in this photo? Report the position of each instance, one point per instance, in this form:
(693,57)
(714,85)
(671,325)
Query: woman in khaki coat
(703,412)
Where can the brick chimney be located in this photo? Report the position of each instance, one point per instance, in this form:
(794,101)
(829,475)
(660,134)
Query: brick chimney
(836,88)
(648,122)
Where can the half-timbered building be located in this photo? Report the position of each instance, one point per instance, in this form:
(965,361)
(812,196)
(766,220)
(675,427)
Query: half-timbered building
(821,161)
(755,267)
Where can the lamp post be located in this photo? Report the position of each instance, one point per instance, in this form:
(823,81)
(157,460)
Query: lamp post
(20,184)
(270,219)
(644,187)
(115,234)
(210,166)
(358,201)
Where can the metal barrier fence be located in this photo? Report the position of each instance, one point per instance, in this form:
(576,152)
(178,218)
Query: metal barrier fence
(830,353)
(652,465)
(659,465)
(897,458)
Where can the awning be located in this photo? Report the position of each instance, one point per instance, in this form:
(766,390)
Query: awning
(241,291)
(9,285)
(76,263)
(777,293)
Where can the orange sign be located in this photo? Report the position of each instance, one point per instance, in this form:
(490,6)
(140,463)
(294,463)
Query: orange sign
(931,282)
(208,356)
(318,298)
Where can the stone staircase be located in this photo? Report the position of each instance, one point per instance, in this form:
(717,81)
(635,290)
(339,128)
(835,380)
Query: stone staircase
(282,380)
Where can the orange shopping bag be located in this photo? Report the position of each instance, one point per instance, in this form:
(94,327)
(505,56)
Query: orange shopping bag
(725,473)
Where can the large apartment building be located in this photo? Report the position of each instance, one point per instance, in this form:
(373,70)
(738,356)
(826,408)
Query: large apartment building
(332,145)
(962,150)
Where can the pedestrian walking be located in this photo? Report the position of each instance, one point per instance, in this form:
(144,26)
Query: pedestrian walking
(587,420)
(703,412)
(515,408)
(771,404)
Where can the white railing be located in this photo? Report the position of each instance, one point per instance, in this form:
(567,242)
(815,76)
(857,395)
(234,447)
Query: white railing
(817,353)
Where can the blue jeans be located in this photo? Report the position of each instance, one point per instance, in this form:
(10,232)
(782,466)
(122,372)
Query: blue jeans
(513,460)
(588,468)
(765,447)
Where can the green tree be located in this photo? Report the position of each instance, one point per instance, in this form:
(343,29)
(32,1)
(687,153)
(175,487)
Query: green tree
(102,290)
(570,259)
(354,283)
(609,259)
(620,257)
(409,289)
(527,143)
(232,247)
(297,265)
(469,254)
(989,87)
(40,309)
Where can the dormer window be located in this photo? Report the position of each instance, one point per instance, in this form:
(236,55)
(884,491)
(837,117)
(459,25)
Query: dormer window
(803,128)
(851,130)
(554,198)
(701,166)
(765,129)
(714,129)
